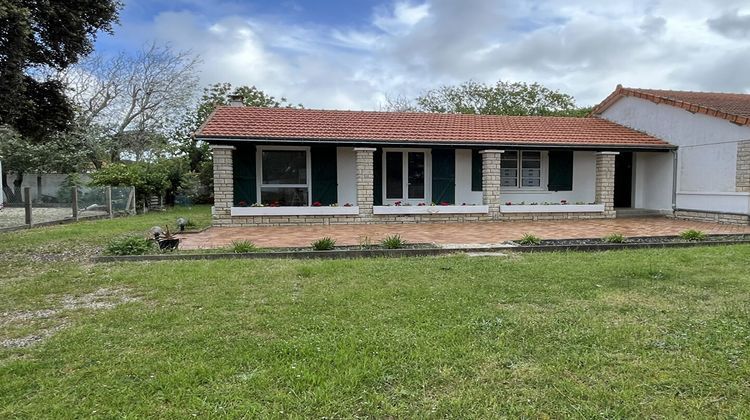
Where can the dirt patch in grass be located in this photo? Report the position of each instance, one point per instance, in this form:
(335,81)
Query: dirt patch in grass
(45,323)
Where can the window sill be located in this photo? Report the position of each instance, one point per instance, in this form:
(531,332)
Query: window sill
(553,208)
(478,209)
(296,211)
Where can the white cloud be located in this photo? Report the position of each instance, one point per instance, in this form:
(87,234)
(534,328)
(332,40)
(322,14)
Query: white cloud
(402,17)
(584,48)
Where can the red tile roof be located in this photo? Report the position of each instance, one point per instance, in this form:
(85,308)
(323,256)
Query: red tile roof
(414,128)
(733,107)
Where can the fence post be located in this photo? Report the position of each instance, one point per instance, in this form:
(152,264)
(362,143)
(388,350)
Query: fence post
(27,204)
(75,203)
(109,202)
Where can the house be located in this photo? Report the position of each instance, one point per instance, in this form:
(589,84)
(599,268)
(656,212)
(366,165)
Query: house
(302,166)
(712,134)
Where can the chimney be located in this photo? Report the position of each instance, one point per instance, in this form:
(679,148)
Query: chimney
(236,100)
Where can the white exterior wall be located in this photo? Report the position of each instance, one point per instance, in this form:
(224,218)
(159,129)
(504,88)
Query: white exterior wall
(464,194)
(584,180)
(653,180)
(346,175)
(707,154)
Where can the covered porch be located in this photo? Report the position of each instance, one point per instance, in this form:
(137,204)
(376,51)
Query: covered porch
(260,184)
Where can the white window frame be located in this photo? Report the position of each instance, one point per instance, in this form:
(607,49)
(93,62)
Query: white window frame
(543,176)
(405,178)
(259,185)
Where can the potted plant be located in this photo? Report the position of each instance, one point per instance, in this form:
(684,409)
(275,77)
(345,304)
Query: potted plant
(167,241)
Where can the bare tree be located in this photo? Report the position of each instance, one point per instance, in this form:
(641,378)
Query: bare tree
(127,101)
(398,103)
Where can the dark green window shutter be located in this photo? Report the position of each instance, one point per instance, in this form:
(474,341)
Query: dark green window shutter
(444,176)
(476,171)
(560,170)
(243,166)
(323,172)
(377,178)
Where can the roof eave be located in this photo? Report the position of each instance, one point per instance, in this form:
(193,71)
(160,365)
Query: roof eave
(444,143)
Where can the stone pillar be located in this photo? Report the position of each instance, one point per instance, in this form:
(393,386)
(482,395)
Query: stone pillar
(604,192)
(223,184)
(743,166)
(365,180)
(491,181)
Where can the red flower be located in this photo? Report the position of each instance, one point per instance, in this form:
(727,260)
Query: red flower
(347,205)
(508,203)
(397,203)
(316,204)
(445,203)
(243,203)
(421,204)
(563,201)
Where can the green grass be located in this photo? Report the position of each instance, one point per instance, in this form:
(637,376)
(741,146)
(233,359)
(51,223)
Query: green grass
(647,333)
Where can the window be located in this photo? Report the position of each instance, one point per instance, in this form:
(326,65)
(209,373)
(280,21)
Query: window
(405,175)
(521,170)
(284,176)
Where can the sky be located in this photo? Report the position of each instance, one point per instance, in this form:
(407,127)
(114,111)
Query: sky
(339,54)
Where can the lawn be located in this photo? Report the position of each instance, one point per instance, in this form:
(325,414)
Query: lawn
(647,333)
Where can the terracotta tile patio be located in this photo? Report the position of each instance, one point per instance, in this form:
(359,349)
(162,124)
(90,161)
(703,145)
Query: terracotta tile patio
(483,233)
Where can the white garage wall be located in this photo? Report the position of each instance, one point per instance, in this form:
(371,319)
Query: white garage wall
(707,152)
(653,180)
(346,175)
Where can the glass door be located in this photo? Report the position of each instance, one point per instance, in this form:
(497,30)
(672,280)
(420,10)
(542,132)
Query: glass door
(415,179)
(404,174)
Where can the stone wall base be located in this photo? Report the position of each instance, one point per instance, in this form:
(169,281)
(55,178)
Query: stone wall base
(249,221)
(705,216)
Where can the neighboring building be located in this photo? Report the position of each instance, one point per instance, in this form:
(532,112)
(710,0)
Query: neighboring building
(712,134)
(301,166)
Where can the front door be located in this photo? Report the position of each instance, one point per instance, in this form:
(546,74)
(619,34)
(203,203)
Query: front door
(624,179)
(405,172)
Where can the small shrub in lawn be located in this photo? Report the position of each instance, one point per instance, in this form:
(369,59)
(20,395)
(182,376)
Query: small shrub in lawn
(693,235)
(243,247)
(614,238)
(129,245)
(529,239)
(393,242)
(324,244)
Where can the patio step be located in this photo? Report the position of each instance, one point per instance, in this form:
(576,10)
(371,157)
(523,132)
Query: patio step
(623,212)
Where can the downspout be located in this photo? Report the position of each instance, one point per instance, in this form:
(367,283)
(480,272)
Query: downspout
(674,180)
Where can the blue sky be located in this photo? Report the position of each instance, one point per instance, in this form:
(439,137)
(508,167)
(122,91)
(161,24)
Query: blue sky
(352,54)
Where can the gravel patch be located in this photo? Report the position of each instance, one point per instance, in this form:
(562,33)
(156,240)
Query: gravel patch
(100,299)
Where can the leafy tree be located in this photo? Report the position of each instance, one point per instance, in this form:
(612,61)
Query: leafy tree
(39,35)
(147,178)
(60,153)
(502,98)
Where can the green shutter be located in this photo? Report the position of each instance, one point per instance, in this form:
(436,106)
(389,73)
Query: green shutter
(323,172)
(476,171)
(377,178)
(444,176)
(243,166)
(560,170)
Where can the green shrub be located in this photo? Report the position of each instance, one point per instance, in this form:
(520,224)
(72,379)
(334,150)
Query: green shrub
(529,239)
(130,245)
(614,238)
(393,242)
(324,244)
(243,247)
(693,235)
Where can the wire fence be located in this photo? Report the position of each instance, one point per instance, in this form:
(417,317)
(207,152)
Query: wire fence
(60,204)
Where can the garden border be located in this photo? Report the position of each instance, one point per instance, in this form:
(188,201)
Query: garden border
(409,252)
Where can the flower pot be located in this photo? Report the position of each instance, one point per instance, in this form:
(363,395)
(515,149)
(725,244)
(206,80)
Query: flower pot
(169,244)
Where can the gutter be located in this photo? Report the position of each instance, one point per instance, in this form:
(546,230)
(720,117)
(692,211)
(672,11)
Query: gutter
(544,146)
(674,179)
